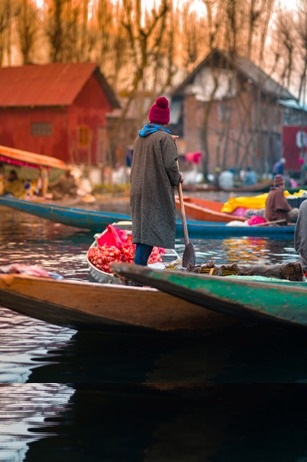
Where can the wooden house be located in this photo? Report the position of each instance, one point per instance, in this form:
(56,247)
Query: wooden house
(57,109)
(231,111)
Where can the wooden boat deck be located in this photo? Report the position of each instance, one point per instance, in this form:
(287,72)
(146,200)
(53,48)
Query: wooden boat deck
(206,210)
(105,307)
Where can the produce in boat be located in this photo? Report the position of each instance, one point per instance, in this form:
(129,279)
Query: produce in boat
(115,246)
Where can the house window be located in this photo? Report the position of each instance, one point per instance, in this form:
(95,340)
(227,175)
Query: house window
(41,129)
(223,111)
(83,136)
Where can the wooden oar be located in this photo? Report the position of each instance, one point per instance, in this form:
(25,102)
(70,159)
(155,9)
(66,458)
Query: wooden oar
(189,252)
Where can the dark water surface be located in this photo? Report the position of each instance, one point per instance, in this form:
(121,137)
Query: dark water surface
(236,393)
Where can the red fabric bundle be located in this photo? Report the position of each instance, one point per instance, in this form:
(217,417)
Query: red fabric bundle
(113,236)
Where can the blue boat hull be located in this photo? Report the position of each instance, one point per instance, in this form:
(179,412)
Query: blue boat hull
(97,220)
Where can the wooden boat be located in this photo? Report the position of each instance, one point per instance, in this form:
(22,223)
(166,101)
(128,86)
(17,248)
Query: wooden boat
(28,163)
(199,187)
(107,307)
(71,216)
(97,220)
(260,187)
(206,210)
(242,297)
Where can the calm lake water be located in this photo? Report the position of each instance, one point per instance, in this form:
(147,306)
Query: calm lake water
(236,393)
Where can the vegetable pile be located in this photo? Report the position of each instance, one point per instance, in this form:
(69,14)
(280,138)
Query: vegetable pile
(115,246)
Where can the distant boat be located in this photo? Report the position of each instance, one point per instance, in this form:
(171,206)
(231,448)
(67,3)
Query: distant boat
(28,163)
(262,186)
(242,297)
(206,210)
(71,216)
(97,220)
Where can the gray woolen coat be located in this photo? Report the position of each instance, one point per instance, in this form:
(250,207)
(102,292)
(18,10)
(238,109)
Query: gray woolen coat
(154,176)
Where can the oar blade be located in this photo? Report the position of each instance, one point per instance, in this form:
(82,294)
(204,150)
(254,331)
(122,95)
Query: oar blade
(188,257)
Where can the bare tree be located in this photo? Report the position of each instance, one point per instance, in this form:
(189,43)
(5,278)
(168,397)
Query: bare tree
(8,10)
(286,39)
(191,30)
(27,29)
(54,29)
(111,43)
(145,53)
(302,52)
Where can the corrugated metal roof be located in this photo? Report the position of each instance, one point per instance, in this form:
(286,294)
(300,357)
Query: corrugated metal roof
(243,66)
(293,104)
(55,84)
(259,77)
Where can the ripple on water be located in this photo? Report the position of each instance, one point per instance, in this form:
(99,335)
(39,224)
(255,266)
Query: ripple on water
(23,407)
(25,344)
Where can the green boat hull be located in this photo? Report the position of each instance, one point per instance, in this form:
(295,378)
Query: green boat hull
(244,297)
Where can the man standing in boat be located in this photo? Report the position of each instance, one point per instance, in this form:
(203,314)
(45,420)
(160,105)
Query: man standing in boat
(154,176)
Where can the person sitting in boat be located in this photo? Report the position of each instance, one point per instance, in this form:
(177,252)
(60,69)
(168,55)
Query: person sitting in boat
(13,186)
(12,176)
(66,187)
(300,235)
(250,177)
(277,207)
(226,179)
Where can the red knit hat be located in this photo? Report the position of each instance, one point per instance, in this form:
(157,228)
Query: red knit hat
(278,180)
(159,112)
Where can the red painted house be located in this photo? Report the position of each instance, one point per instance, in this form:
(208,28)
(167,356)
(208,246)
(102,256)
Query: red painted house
(56,109)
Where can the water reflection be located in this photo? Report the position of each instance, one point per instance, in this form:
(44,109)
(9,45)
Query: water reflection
(232,354)
(156,423)
(24,411)
(25,343)
(32,240)
(242,250)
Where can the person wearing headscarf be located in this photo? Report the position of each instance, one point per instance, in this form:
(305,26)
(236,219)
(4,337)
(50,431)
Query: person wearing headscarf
(277,207)
(154,177)
(279,167)
(13,186)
